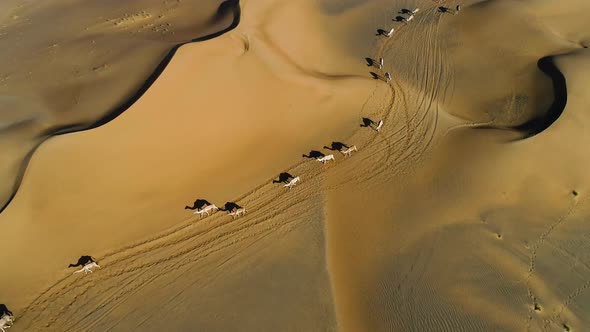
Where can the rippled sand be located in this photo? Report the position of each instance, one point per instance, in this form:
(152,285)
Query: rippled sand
(466,212)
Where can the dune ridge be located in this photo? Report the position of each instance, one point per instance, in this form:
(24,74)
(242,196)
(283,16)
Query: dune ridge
(46,131)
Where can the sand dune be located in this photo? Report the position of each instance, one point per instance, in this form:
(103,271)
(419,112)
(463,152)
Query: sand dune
(116,48)
(466,212)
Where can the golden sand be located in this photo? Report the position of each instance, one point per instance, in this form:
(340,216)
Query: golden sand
(466,212)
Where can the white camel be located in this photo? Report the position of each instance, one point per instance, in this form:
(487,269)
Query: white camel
(206,210)
(380,63)
(379,125)
(6,322)
(388,77)
(388,34)
(87,268)
(292,182)
(238,212)
(411,17)
(348,151)
(327,158)
(415,10)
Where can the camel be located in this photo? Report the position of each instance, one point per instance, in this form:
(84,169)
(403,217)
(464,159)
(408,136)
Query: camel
(292,182)
(378,128)
(325,159)
(206,210)
(388,77)
(388,34)
(6,322)
(370,123)
(87,268)
(380,63)
(415,11)
(348,151)
(238,212)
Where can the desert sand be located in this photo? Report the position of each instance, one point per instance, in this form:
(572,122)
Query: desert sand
(467,211)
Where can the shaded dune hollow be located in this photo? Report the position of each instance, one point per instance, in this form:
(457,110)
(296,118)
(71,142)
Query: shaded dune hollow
(426,223)
(537,125)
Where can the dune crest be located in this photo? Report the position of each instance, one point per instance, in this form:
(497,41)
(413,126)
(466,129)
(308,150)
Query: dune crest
(98,87)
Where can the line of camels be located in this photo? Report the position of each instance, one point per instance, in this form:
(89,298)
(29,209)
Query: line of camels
(202,207)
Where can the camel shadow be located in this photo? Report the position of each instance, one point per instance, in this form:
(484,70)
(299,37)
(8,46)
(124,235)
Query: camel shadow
(399,19)
(336,146)
(4,310)
(230,206)
(198,204)
(367,122)
(442,9)
(375,75)
(381,32)
(283,178)
(313,154)
(405,11)
(83,260)
(370,62)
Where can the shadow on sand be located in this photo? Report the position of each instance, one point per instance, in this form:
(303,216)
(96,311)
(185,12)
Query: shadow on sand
(381,32)
(4,310)
(313,154)
(336,146)
(537,125)
(367,122)
(230,206)
(540,123)
(198,204)
(83,260)
(283,178)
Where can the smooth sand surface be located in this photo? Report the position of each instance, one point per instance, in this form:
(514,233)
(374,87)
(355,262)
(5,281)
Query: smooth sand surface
(68,64)
(466,212)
